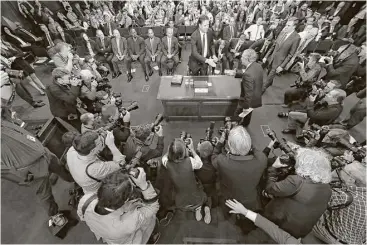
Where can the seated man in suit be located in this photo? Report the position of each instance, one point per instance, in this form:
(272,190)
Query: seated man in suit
(343,66)
(324,112)
(109,25)
(171,24)
(251,85)
(153,51)
(104,51)
(282,51)
(230,31)
(170,51)
(236,47)
(202,48)
(136,51)
(65,37)
(119,50)
(221,50)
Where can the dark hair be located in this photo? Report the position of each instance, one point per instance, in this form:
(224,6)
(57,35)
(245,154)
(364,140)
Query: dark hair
(68,138)
(239,15)
(202,19)
(85,142)
(176,150)
(116,189)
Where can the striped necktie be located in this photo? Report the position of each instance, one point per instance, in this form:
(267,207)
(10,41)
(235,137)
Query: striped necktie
(28,33)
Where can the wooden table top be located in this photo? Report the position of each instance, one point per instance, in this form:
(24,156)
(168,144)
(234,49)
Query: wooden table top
(223,88)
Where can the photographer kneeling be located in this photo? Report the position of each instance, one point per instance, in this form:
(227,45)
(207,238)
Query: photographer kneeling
(123,211)
(301,198)
(83,161)
(239,171)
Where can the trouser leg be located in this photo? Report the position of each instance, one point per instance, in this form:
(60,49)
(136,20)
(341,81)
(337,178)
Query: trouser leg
(295,118)
(270,79)
(141,60)
(128,64)
(56,167)
(45,196)
(24,93)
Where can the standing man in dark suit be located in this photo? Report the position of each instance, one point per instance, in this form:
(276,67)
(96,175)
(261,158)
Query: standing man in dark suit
(236,47)
(152,51)
(136,51)
(109,25)
(283,50)
(104,51)
(170,51)
(119,49)
(251,85)
(230,31)
(202,48)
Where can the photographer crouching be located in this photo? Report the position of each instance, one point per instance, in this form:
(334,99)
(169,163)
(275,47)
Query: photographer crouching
(324,112)
(84,163)
(299,199)
(240,169)
(124,209)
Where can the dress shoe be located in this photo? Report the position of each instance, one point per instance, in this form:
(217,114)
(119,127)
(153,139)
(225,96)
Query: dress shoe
(129,78)
(288,131)
(119,74)
(160,73)
(114,75)
(146,77)
(150,73)
(37,104)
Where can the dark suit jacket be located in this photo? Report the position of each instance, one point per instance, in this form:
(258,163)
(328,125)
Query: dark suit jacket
(140,46)
(174,44)
(197,49)
(251,86)
(344,70)
(156,46)
(123,46)
(325,115)
(224,50)
(62,99)
(283,52)
(235,172)
(106,30)
(107,46)
(227,32)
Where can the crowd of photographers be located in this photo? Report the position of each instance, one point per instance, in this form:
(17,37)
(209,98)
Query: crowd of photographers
(128,188)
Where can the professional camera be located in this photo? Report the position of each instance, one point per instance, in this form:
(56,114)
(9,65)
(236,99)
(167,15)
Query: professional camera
(186,137)
(104,85)
(282,146)
(104,71)
(339,162)
(315,134)
(123,110)
(228,125)
(359,153)
(134,172)
(209,134)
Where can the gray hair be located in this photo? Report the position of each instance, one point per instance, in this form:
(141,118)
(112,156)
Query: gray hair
(250,54)
(239,141)
(338,94)
(313,163)
(85,118)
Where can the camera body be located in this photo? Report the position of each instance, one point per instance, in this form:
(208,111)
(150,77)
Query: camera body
(186,137)
(209,133)
(134,172)
(228,125)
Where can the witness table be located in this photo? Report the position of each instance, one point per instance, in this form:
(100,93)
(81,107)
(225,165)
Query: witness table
(181,103)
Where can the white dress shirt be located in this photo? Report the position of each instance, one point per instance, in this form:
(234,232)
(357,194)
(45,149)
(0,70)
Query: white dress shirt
(255,32)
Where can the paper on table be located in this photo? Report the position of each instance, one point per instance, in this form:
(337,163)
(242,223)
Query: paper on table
(246,112)
(156,68)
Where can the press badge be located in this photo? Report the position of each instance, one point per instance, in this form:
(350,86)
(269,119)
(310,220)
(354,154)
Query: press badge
(31,138)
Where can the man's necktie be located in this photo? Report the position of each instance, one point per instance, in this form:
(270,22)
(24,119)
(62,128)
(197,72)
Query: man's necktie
(151,45)
(169,46)
(204,45)
(49,40)
(28,33)
(102,41)
(231,32)
(109,28)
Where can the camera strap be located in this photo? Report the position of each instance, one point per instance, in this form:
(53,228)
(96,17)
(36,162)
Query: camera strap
(88,202)
(86,171)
